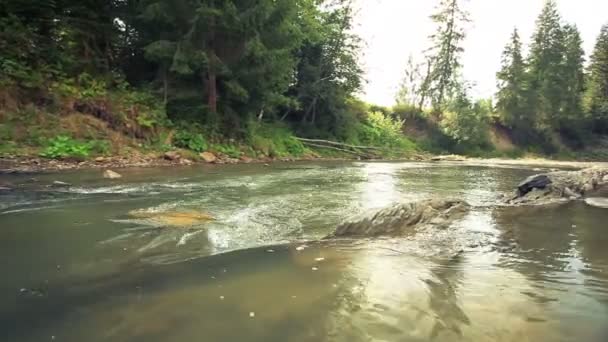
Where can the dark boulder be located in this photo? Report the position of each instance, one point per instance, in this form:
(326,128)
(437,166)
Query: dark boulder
(533,182)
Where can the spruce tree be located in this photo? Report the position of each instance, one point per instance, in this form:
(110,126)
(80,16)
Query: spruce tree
(597,87)
(546,67)
(574,78)
(446,50)
(512,95)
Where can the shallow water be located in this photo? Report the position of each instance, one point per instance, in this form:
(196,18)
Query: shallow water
(79,266)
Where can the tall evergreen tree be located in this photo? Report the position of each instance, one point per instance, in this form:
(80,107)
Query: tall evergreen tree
(597,87)
(574,78)
(546,66)
(446,50)
(512,94)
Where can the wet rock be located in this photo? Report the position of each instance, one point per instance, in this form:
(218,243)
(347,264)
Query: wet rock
(173,219)
(208,157)
(186,162)
(246,159)
(100,159)
(404,219)
(560,185)
(533,182)
(58,184)
(451,157)
(172,156)
(597,202)
(109,174)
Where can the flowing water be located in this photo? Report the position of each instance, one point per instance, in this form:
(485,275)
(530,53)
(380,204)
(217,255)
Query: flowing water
(103,260)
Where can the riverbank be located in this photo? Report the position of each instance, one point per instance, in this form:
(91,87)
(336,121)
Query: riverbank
(182,158)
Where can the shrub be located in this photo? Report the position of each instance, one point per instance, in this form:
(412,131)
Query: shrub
(63,146)
(190,140)
(383,131)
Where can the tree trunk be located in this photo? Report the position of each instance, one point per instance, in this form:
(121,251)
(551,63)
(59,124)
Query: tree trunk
(211,91)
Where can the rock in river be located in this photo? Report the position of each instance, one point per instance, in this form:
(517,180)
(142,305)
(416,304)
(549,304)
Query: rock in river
(404,219)
(173,218)
(109,174)
(597,202)
(561,185)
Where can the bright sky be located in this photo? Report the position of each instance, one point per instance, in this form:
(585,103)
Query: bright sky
(394,29)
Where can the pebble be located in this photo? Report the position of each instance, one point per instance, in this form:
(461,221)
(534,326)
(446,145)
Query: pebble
(301,248)
(221,297)
(270,250)
(319,259)
(252,314)
(315,268)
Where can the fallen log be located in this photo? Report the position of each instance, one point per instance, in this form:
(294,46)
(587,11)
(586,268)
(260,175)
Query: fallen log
(360,154)
(334,143)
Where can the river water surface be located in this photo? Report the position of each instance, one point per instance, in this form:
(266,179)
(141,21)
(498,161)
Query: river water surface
(98,260)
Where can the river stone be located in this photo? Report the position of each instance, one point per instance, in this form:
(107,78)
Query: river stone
(405,218)
(597,202)
(173,218)
(558,186)
(109,174)
(172,155)
(533,182)
(208,157)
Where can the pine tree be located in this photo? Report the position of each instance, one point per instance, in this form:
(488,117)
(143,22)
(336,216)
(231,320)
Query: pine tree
(597,88)
(546,67)
(512,95)
(574,78)
(450,18)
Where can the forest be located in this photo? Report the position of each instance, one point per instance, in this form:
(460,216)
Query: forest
(251,77)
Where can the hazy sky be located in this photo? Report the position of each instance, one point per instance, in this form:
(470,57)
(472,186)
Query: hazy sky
(393,29)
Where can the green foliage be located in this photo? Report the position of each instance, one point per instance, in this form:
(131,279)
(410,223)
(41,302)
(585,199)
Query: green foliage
(467,123)
(63,146)
(596,98)
(381,130)
(446,51)
(230,150)
(274,141)
(190,139)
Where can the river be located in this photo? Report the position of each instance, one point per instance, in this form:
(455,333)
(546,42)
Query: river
(96,260)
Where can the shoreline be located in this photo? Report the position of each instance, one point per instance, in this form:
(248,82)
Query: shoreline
(21,165)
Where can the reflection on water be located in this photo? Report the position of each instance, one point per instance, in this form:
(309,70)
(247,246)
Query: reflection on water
(78,267)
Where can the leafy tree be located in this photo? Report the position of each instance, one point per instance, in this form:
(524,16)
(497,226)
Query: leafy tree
(446,50)
(410,89)
(597,87)
(328,72)
(466,122)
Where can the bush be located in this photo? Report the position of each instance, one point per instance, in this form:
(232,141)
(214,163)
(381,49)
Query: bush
(274,140)
(190,140)
(229,150)
(381,130)
(63,146)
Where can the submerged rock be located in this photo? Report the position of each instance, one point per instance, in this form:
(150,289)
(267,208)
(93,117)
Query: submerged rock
(173,219)
(561,186)
(403,219)
(109,174)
